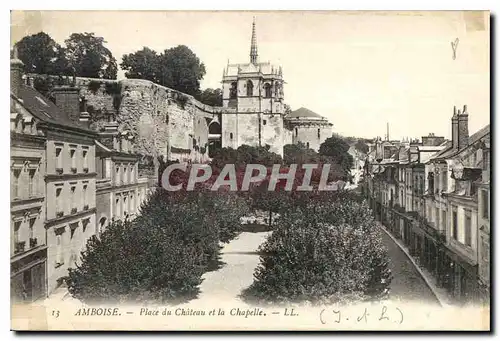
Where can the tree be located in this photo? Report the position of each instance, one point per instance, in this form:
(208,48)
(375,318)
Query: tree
(211,97)
(89,57)
(130,262)
(299,154)
(41,54)
(337,149)
(312,257)
(181,70)
(361,146)
(161,255)
(287,109)
(143,64)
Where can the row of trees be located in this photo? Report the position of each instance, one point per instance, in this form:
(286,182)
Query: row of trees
(85,55)
(162,254)
(324,247)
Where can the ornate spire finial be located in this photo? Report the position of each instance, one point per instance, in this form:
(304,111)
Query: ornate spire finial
(253,46)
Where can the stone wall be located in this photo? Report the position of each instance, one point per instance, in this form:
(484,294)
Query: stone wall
(312,135)
(154,114)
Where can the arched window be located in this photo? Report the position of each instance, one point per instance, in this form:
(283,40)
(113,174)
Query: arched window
(296,132)
(233,92)
(231,136)
(277,89)
(249,88)
(267,90)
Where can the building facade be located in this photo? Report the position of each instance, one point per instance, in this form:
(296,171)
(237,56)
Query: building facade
(120,189)
(55,190)
(254,109)
(308,128)
(28,250)
(442,213)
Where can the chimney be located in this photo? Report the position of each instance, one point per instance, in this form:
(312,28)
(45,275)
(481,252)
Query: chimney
(16,73)
(68,100)
(463,128)
(454,128)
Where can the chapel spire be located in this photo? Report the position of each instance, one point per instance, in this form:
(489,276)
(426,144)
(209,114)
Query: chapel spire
(253,46)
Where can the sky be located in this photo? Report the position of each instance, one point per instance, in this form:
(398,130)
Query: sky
(361,70)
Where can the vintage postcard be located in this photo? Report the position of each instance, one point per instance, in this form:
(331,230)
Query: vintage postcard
(250,170)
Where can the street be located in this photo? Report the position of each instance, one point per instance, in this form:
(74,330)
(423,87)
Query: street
(407,284)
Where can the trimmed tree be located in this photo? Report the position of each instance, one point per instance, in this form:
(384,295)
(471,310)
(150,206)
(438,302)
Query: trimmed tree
(310,257)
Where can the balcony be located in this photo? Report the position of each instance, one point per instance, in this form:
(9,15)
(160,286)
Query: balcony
(19,247)
(33,242)
(59,214)
(74,210)
(59,170)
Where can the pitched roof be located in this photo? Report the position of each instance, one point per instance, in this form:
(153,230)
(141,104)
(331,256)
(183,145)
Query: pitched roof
(46,111)
(479,134)
(448,151)
(304,112)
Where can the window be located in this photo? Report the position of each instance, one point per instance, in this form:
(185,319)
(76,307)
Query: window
(454,223)
(264,122)
(85,160)
(117,207)
(267,90)
(436,218)
(73,228)
(59,250)
(132,173)
(430,182)
(117,175)
(132,203)
(32,226)
(59,158)
(296,132)
(72,153)
(486,159)
(468,227)
(436,183)
(17,173)
(319,133)
(17,227)
(231,136)
(85,201)
(125,207)
(445,180)
(124,174)
(485,202)
(443,220)
(249,88)
(307,144)
(73,198)
(32,184)
(233,92)
(59,207)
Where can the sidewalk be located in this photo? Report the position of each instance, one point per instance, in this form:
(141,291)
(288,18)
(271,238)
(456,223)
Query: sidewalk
(442,296)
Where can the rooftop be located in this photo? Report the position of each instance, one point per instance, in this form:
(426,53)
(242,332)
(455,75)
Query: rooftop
(305,113)
(46,111)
